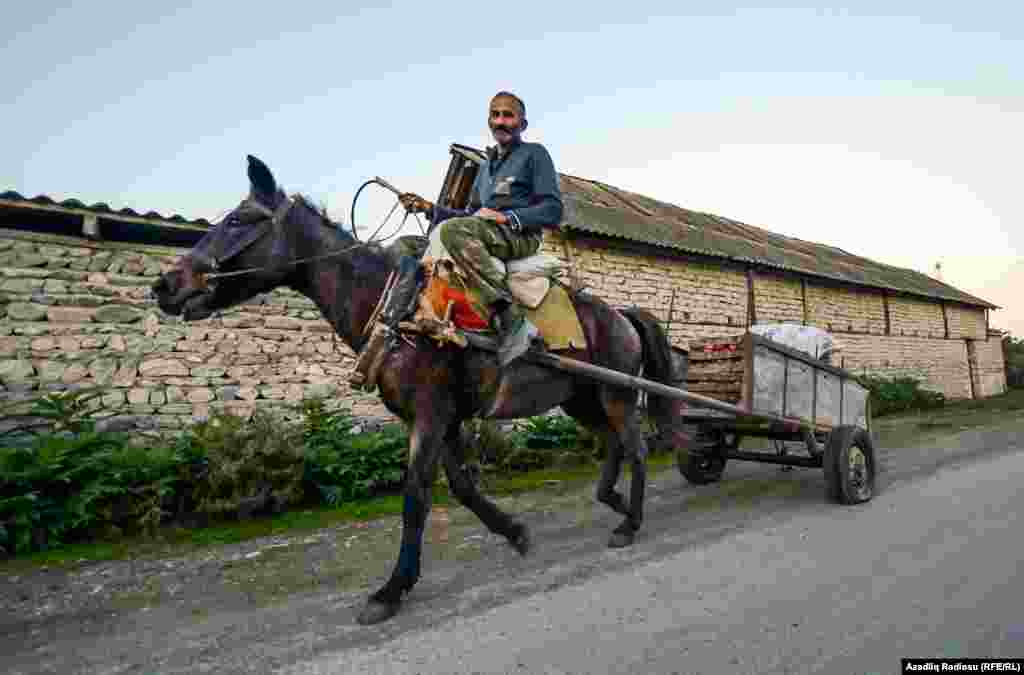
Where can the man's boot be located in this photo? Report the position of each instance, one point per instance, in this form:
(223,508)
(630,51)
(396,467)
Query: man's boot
(401,301)
(515,333)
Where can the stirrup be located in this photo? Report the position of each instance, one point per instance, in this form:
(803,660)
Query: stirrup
(364,374)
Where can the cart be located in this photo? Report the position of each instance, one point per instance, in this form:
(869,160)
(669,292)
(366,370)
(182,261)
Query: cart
(750,386)
(783,395)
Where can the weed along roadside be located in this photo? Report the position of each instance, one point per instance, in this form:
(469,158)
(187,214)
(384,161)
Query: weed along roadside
(73,492)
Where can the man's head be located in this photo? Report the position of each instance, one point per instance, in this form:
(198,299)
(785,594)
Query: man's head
(506,117)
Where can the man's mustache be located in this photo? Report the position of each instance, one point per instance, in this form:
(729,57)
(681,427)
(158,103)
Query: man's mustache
(508,130)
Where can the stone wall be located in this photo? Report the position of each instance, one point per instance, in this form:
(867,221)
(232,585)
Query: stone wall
(77,314)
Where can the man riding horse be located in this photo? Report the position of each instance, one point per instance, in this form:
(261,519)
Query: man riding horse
(514,196)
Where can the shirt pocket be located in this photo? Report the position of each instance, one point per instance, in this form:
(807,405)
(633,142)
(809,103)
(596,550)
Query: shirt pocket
(503,186)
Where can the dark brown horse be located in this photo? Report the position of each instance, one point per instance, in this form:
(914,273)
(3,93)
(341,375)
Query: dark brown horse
(273,240)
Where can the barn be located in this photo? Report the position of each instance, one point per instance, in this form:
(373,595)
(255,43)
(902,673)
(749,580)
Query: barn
(74,309)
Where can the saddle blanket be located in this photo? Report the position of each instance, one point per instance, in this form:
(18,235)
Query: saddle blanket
(546,302)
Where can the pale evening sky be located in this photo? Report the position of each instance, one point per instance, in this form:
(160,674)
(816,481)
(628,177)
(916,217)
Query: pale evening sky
(892,130)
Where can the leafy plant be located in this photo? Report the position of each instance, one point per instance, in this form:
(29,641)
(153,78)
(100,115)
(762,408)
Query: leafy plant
(344,466)
(227,462)
(1013,351)
(63,485)
(900,394)
(551,431)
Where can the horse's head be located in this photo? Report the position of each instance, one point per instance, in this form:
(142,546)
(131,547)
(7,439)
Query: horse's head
(251,241)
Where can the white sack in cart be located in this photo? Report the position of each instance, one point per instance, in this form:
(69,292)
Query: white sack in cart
(807,339)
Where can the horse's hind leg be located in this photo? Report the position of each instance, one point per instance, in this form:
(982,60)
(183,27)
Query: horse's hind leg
(466,492)
(606,492)
(622,418)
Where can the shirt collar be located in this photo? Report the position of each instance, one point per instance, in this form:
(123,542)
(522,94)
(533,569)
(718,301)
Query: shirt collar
(495,151)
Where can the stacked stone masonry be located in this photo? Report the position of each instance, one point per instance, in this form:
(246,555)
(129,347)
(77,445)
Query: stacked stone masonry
(77,313)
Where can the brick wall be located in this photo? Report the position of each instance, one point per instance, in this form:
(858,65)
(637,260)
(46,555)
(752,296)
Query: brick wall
(74,313)
(711,301)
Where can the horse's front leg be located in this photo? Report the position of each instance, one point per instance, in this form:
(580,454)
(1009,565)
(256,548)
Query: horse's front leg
(466,492)
(425,447)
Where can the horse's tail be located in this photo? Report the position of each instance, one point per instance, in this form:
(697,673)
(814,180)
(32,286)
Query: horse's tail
(664,365)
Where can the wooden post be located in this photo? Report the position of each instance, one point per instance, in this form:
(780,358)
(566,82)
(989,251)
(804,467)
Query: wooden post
(91,226)
(803,297)
(751,301)
(888,320)
(945,318)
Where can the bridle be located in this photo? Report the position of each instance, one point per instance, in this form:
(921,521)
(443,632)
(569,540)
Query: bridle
(274,219)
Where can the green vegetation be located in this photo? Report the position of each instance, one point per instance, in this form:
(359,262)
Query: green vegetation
(62,482)
(1013,349)
(899,395)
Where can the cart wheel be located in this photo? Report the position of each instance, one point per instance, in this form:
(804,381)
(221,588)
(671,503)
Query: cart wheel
(708,462)
(850,467)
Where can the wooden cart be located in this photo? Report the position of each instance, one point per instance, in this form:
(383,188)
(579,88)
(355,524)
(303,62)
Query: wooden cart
(781,394)
(750,386)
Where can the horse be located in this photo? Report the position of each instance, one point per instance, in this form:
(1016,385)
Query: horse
(275,240)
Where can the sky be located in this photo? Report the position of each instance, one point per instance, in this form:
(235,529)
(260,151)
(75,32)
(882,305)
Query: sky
(892,130)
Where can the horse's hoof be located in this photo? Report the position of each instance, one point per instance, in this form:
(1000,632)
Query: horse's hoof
(376,611)
(620,540)
(521,542)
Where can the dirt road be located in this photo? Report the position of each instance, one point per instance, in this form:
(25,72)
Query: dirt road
(269,604)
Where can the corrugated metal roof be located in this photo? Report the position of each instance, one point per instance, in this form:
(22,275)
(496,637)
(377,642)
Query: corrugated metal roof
(597,208)
(101,208)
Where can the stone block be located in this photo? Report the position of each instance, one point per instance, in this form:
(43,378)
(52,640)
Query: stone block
(51,371)
(207,371)
(274,392)
(176,409)
(22,285)
(13,371)
(283,323)
(157,397)
(174,394)
(113,398)
(138,396)
(117,314)
(248,393)
(163,368)
(26,311)
(8,346)
(228,393)
(102,370)
(95,342)
(200,396)
(75,372)
(70,314)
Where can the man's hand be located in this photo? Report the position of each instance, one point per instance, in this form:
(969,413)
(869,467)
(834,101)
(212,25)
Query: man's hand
(491,214)
(413,203)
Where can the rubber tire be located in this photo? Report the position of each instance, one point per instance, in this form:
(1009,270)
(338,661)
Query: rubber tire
(836,461)
(693,466)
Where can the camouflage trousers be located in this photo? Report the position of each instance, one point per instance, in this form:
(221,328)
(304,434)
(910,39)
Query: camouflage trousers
(472,241)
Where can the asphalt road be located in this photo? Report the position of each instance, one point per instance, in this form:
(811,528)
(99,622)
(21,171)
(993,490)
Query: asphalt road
(773,579)
(931,568)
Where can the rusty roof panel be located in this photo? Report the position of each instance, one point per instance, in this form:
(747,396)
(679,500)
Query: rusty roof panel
(101,208)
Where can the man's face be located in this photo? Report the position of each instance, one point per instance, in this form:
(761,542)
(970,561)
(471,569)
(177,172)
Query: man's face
(505,120)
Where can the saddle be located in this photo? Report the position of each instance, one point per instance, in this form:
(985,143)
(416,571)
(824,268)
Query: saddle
(447,309)
(448,301)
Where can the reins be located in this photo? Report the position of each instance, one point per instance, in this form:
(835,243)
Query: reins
(276,217)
